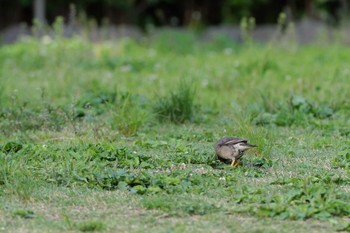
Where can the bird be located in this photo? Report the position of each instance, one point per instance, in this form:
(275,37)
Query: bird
(232,148)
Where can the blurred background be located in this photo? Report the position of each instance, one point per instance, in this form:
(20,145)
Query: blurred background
(137,17)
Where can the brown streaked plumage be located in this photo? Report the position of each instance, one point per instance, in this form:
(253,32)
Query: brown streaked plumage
(232,148)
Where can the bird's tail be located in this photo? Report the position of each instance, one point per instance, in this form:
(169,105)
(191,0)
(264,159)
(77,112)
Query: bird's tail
(250,145)
(246,146)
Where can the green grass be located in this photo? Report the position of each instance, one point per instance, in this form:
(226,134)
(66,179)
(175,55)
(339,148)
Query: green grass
(177,106)
(119,135)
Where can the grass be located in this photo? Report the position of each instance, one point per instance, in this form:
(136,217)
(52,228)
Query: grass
(177,106)
(118,136)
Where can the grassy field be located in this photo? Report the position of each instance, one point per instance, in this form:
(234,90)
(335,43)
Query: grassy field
(118,136)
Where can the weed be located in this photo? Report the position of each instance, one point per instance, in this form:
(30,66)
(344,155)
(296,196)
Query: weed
(129,117)
(344,227)
(178,106)
(93,225)
(247,28)
(296,111)
(13,147)
(94,103)
(342,160)
(23,213)
(306,198)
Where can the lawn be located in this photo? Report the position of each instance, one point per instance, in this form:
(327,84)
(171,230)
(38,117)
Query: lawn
(118,136)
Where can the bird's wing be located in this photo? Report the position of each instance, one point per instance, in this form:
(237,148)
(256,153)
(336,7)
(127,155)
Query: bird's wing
(231,141)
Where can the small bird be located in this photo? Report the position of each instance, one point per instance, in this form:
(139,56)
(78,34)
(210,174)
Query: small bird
(232,148)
